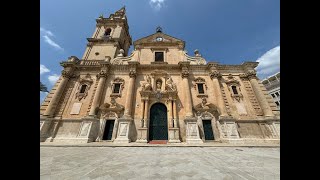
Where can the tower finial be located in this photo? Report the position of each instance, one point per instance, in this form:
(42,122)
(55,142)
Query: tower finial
(159,29)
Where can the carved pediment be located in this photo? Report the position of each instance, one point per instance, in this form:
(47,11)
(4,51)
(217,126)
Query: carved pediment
(206,107)
(231,80)
(113,106)
(159,39)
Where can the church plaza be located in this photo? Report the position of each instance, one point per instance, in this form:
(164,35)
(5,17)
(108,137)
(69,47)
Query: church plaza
(225,163)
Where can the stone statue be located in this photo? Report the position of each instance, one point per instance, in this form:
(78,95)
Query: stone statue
(158,85)
(113,103)
(170,86)
(147,85)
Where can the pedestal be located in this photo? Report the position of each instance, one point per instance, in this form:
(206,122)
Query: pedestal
(228,128)
(174,135)
(142,135)
(192,134)
(123,130)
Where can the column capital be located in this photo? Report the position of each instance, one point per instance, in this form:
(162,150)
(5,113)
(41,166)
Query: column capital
(133,68)
(67,73)
(102,73)
(215,74)
(250,74)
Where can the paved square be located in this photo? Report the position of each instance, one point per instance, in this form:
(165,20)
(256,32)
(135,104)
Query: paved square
(225,163)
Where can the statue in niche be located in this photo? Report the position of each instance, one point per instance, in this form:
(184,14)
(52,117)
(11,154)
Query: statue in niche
(158,85)
(147,86)
(170,86)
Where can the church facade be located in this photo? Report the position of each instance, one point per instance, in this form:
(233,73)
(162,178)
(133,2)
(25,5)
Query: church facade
(156,93)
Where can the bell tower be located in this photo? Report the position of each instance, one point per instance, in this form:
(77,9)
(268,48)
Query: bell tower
(111,35)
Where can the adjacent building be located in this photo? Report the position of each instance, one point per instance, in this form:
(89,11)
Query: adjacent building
(157,92)
(272,84)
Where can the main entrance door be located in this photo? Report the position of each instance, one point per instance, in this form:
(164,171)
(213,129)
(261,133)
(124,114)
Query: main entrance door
(107,135)
(158,128)
(207,127)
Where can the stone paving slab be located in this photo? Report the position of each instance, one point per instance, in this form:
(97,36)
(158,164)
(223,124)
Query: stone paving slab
(139,163)
(111,144)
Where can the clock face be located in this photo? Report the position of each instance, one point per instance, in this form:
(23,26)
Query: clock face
(159,39)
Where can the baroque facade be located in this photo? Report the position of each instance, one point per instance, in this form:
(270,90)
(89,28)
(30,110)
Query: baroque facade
(158,92)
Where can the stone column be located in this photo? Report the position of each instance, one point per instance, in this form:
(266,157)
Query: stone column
(129,97)
(124,126)
(259,94)
(56,96)
(170,113)
(214,75)
(142,113)
(97,96)
(185,81)
(175,114)
(146,110)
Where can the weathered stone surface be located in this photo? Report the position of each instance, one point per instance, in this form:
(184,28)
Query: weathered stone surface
(118,85)
(159,163)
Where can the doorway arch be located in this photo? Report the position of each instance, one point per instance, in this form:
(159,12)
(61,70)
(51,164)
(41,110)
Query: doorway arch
(158,126)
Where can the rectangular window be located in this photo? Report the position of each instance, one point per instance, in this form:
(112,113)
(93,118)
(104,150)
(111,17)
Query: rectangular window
(116,88)
(159,57)
(234,89)
(200,89)
(83,88)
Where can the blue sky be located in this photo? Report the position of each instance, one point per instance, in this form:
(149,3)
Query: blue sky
(227,31)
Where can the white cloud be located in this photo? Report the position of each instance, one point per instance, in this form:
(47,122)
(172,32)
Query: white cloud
(156,4)
(47,39)
(43,69)
(51,42)
(46,32)
(269,63)
(53,78)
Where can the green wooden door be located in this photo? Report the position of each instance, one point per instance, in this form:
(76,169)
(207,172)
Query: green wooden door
(207,127)
(158,128)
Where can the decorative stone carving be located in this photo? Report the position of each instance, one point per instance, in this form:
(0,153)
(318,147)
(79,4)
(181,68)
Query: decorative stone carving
(185,72)
(85,128)
(117,81)
(112,107)
(232,81)
(215,74)
(202,81)
(158,85)
(204,106)
(133,73)
(102,73)
(170,86)
(66,74)
(197,60)
(229,130)
(249,74)
(147,86)
(84,81)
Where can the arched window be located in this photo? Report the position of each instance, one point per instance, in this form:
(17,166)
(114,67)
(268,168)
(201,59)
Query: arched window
(107,32)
